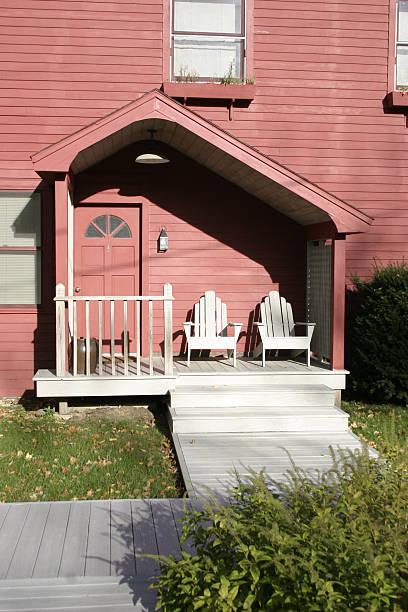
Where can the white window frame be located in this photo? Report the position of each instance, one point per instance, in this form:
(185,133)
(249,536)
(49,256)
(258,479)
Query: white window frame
(21,249)
(398,44)
(242,36)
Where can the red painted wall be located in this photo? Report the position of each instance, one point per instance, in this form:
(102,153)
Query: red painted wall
(321,73)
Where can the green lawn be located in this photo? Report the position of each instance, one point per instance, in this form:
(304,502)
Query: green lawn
(384,426)
(44,458)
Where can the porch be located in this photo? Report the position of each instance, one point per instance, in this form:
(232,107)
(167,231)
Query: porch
(211,371)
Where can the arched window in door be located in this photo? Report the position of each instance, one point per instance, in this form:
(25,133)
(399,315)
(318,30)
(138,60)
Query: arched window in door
(108,225)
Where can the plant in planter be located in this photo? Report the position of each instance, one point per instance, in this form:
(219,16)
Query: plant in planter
(187,75)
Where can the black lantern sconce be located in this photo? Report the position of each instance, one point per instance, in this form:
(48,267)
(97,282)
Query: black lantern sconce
(163,242)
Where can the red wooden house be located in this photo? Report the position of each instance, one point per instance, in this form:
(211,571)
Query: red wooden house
(284,127)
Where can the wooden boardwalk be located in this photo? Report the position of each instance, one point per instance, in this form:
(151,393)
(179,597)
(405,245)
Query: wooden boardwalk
(209,461)
(86,554)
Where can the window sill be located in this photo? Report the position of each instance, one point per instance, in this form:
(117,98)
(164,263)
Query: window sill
(211,91)
(19,308)
(397,99)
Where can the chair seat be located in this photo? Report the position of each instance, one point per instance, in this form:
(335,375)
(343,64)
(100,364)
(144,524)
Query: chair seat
(212,342)
(292,342)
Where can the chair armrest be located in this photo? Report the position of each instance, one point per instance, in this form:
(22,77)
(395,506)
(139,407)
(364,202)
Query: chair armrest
(187,328)
(310,328)
(237,329)
(262,330)
(301,323)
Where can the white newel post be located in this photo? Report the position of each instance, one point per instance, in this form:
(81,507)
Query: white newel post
(168,329)
(60,329)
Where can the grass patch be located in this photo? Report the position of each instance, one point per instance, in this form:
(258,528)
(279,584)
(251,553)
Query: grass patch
(45,459)
(383,426)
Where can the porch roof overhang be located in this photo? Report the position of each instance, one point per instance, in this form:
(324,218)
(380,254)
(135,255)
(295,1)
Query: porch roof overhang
(200,139)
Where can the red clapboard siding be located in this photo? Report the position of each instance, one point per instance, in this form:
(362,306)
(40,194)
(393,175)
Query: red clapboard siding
(321,72)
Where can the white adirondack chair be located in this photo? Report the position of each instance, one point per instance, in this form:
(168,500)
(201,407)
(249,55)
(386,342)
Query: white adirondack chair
(277,328)
(210,327)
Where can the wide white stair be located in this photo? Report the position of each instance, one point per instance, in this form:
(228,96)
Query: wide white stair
(104,594)
(255,408)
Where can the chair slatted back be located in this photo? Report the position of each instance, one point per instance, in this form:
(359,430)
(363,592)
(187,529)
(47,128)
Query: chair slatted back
(210,316)
(277,315)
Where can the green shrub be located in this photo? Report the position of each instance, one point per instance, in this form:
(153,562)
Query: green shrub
(377,335)
(337,544)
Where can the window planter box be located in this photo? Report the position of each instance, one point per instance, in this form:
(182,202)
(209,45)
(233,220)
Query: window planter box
(397,99)
(213,91)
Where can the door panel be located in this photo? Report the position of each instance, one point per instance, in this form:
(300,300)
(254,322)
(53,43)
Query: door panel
(106,262)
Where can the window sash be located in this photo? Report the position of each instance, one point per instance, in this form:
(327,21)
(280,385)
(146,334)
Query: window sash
(20,220)
(20,276)
(209,59)
(177,22)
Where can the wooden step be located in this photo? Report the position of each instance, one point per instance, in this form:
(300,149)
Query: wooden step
(197,396)
(258,419)
(316,376)
(66,595)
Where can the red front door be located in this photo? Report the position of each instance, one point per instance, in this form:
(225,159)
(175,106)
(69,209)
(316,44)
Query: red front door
(106,262)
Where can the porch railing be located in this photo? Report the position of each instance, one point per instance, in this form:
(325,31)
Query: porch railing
(67,331)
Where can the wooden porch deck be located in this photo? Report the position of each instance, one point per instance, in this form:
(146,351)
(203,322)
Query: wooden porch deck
(155,382)
(85,555)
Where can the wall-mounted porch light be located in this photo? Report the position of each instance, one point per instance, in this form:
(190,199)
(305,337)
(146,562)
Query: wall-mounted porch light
(163,241)
(151,155)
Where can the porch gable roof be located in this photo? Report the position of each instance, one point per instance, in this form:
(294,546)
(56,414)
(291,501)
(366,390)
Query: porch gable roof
(185,130)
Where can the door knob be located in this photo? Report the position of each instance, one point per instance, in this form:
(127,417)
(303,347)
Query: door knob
(77,289)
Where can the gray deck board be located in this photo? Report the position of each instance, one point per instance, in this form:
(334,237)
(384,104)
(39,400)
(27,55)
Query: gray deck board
(98,552)
(144,536)
(26,551)
(166,531)
(74,551)
(122,547)
(10,535)
(178,514)
(50,551)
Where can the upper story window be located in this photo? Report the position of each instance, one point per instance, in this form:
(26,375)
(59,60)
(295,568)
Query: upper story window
(402,45)
(208,40)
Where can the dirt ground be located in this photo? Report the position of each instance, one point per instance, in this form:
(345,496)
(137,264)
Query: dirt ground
(145,408)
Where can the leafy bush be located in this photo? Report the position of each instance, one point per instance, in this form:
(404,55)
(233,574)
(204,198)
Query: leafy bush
(377,335)
(338,543)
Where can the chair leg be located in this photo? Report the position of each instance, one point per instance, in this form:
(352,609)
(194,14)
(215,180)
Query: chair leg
(235,357)
(188,355)
(308,358)
(263,356)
